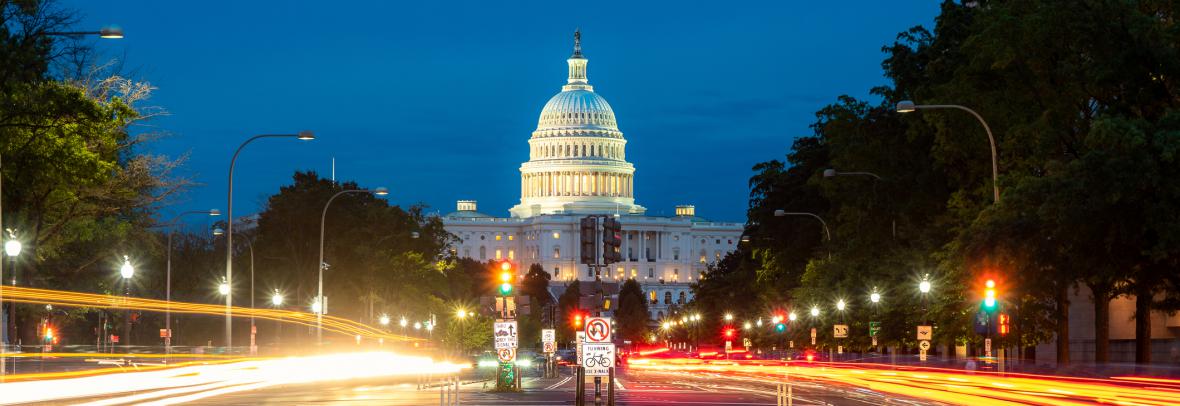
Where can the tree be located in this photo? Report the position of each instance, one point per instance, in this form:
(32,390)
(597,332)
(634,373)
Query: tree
(632,314)
(569,303)
(536,286)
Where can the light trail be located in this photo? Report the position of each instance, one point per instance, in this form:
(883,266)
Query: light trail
(203,380)
(77,299)
(943,385)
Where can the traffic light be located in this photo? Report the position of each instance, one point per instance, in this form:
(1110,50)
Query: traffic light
(589,240)
(780,327)
(612,241)
(729,333)
(1002,324)
(577,320)
(506,272)
(989,295)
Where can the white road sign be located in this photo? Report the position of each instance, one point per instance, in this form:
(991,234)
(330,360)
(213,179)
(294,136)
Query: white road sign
(925,333)
(506,355)
(840,331)
(597,359)
(549,347)
(505,334)
(598,330)
(548,335)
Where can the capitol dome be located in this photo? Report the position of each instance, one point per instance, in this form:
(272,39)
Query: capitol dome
(578,108)
(577,161)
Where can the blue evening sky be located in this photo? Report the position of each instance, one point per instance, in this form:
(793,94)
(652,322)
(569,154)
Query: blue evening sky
(436,100)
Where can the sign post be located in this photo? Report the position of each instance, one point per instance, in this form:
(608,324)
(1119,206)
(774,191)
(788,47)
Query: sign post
(549,346)
(874,328)
(813,336)
(505,335)
(598,360)
(923,346)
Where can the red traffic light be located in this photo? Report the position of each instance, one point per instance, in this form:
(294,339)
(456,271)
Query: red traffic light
(578,320)
(729,333)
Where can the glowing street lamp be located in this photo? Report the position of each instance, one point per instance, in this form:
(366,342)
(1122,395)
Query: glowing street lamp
(814,311)
(791,316)
(384,320)
(875,297)
(746,326)
(728,317)
(276,299)
(840,305)
(924,286)
(403,322)
(417,326)
(461,313)
(127,271)
(316,307)
(223,287)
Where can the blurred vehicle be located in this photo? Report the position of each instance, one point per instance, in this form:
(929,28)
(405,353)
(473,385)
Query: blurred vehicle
(566,357)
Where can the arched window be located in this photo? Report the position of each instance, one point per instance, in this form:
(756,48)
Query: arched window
(682,298)
(483,253)
(668,297)
(660,315)
(652,297)
(556,252)
(704,256)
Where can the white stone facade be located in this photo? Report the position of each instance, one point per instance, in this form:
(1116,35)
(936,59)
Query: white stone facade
(577,167)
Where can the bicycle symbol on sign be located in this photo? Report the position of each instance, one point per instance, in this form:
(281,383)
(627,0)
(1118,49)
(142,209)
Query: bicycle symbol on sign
(598,360)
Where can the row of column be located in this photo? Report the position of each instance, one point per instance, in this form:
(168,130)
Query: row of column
(576,183)
(601,150)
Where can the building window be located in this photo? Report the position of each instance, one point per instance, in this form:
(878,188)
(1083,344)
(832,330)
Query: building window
(634,273)
(676,254)
(556,272)
(510,237)
(718,241)
(704,256)
(466,252)
(652,297)
(730,242)
(483,253)
(702,241)
(557,253)
(512,254)
(556,235)
(717,255)
(499,254)
(651,272)
(667,297)
(481,237)
(661,314)
(675,273)
(589,272)
(675,237)
(497,237)
(681,300)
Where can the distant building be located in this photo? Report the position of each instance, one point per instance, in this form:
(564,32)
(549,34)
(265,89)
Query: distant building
(577,166)
(1165,332)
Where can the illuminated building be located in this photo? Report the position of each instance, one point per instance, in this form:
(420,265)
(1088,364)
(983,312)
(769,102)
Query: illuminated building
(577,167)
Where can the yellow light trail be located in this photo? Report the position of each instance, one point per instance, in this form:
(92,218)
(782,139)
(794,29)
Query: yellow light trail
(77,299)
(197,381)
(944,385)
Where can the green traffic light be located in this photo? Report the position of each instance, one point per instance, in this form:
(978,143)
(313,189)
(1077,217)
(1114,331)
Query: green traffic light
(505,288)
(780,327)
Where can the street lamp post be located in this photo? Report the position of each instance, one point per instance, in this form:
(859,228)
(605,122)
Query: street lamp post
(108,32)
(229,226)
(907,106)
(126,271)
(168,279)
(783,213)
(276,300)
(319,317)
(831,173)
(12,247)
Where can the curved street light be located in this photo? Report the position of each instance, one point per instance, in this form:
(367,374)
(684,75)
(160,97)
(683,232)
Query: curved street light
(108,32)
(319,317)
(229,226)
(783,213)
(906,106)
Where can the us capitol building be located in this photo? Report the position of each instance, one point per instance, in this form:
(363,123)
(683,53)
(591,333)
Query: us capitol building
(577,166)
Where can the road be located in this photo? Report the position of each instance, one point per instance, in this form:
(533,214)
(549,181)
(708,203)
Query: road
(632,388)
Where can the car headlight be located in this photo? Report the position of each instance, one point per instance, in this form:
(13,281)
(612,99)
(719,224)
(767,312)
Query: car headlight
(524,363)
(488,363)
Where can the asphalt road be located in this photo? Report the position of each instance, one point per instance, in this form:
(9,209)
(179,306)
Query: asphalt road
(632,388)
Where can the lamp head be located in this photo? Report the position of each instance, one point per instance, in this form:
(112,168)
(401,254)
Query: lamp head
(111,32)
(218,231)
(829,173)
(305,135)
(875,297)
(380,191)
(840,305)
(924,287)
(12,247)
(906,106)
(214,212)
(780,213)
(276,299)
(126,270)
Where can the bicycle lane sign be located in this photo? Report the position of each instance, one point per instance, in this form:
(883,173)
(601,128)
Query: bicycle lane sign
(598,358)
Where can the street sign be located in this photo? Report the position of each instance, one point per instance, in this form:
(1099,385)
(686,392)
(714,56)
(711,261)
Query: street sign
(506,354)
(598,330)
(597,359)
(165,333)
(921,355)
(549,347)
(925,333)
(840,331)
(813,336)
(987,347)
(923,345)
(874,328)
(746,343)
(839,349)
(548,335)
(505,334)
(728,345)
